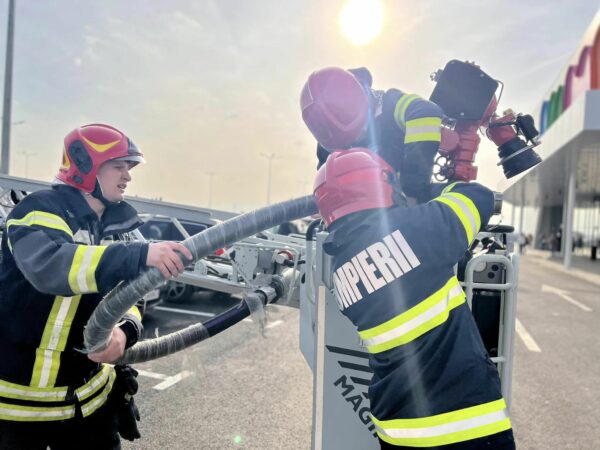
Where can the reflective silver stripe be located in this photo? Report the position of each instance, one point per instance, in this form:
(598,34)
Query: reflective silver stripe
(465,209)
(422,129)
(443,429)
(98,401)
(92,386)
(11,390)
(31,413)
(53,343)
(415,322)
(83,269)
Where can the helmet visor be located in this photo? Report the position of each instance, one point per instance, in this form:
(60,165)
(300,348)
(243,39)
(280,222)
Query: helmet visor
(134,160)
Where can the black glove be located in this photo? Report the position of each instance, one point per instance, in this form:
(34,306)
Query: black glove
(126,386)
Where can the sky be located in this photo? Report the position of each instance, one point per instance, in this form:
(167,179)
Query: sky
(213,86)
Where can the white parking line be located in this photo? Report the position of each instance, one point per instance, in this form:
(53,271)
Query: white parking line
(158,376)
(527,338)
(172,380)
(167,381)
(563,294)
(184,311)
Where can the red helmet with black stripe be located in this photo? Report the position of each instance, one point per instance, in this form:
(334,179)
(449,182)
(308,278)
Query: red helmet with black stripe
(351,181)
(86,148)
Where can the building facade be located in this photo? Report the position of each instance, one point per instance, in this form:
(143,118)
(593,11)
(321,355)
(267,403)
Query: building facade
(561,196)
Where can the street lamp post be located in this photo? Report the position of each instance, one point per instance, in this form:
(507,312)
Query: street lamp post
(5,152)
(270,157)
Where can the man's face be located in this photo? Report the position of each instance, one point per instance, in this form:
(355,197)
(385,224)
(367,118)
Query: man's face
(113,177)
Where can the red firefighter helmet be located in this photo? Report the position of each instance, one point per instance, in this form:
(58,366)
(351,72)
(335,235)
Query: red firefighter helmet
(86,148)
(351,181)
(334,107)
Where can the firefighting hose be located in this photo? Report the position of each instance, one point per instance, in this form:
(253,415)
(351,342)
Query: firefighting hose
(113,307)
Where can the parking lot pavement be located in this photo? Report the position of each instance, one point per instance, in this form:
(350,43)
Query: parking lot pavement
(555,384)
(236,390)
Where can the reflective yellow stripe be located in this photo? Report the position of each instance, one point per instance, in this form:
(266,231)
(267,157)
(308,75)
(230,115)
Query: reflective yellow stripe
(18,391)
(470,205)
(97,381)
(35,413)
(401,107)
(54,340)
(423,137)
(55,394)
(103,380)
(418,320)
(42,219)
(461,216)
(97,402)
(466,211)
(451,186)
(442,429)
(423,129)
(82,275)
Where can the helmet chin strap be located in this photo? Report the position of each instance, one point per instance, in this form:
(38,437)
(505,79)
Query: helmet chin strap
(97,193)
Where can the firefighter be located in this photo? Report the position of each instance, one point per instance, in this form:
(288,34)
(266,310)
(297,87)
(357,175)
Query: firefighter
(433,385)
(342,110)
(56,265)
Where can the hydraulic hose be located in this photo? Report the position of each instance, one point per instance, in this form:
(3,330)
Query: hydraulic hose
(117,302)
(178,340)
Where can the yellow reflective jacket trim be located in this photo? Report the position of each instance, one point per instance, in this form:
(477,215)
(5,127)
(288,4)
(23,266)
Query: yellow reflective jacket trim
(447,428)
(57,394)
(465,210)
(54,340)
(424,129)
(93,405)
(21,413)
(42,219)
(470,205)
(418,320)
(20,392)
(82,275)
(401,107)
(451,186)
(97,381)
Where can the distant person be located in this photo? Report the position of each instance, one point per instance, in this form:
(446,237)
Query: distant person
(53,274)
(522,243)
(553,242)
(544,242)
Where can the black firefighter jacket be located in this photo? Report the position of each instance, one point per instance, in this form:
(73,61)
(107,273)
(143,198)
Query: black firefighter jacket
(54,270)
(393,277)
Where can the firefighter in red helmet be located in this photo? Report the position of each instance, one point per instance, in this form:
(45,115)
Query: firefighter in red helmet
(342,110)
(433,385)
(56,266)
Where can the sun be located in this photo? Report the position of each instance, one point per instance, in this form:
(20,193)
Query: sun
(361,20)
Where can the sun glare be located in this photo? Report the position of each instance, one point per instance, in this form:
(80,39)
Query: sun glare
(361,20)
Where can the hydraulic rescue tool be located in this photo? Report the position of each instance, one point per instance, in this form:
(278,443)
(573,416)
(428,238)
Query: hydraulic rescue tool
(469,98)
(119,300)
